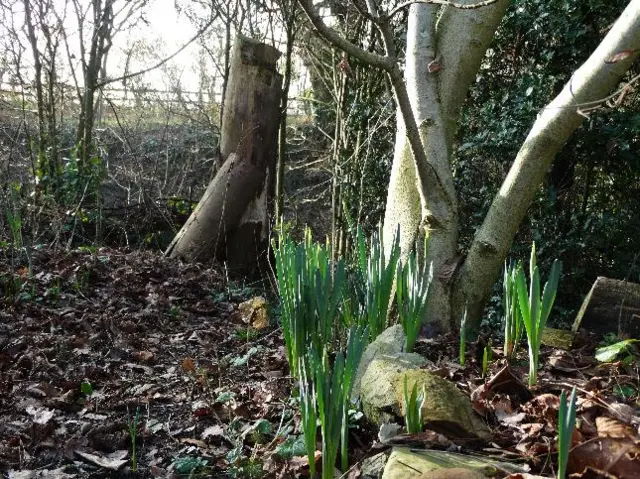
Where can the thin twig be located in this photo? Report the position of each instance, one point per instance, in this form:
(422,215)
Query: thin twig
(161,62)
(332,36)
(595,103)
(461,6)
(620,93)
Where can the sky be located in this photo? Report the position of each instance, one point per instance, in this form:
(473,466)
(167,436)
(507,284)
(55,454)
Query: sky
(169,30)
(173,31)
(164,32)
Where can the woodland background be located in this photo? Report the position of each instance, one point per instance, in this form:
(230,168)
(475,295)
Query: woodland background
(151,151)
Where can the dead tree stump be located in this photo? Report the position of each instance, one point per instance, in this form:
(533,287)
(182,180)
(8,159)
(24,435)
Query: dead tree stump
(612,306)
(231,221)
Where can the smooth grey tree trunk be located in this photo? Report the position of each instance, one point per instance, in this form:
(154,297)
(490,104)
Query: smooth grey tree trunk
(588,86)
(444,51)
(446,43)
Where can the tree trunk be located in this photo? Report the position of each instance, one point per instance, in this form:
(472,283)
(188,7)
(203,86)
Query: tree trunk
(612,306)
(436,81)
(42,165)
(602,71)
(337,174)
(444,51)
(282,134)
(314,58)
(231,222)
(103,25)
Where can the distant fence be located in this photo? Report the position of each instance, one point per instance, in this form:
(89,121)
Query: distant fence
(15,96)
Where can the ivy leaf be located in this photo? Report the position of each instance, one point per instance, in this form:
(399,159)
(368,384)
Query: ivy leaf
(187,465)
(225,397)
(242,360)
(263,426)
(292,446)
(611,352)
(466,146)
(86,388)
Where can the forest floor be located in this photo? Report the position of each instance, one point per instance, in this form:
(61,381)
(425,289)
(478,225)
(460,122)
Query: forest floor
(98,347)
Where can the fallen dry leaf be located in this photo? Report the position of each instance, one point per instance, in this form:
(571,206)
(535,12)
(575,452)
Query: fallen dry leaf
(624,413)
(144,356)
(544,406)
(620,457)
(188,365)
(609,427)
(40,415)
(113,461)
(426,439)
(591,473)
(524,475)
(255,312)
(44,473)
(212,431)
(194,442)
(618,57)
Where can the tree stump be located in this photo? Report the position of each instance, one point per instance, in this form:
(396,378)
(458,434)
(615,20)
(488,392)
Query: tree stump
(612,306)
(231,221)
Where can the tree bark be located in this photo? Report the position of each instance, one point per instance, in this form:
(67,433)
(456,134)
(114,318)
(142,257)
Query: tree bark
(443,56)
(612,306)
(102,30)
(232,219)
(444,53)
(284,105)
(602,71)
(40,157)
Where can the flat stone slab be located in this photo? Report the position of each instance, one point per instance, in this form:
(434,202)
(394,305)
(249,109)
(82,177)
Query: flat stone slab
(407,463)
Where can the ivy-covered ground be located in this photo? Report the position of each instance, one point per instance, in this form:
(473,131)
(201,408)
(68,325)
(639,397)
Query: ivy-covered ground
(99,348)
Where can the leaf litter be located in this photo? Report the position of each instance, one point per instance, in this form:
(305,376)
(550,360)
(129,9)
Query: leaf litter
(87,339)
(100,346)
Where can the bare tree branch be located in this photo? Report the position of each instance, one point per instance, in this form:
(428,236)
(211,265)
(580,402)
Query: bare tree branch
(161,62)
(332,36)
(364,13)
(461,6)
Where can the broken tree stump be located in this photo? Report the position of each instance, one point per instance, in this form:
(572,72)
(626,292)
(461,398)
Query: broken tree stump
(612,306)
(231,221)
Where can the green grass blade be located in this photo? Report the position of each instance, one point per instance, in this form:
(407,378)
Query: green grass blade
(463,337)
(532,260)
(506,294)
(356,343)
(517,314)
(412,408)
(412,291)
(308,413)
(534,300)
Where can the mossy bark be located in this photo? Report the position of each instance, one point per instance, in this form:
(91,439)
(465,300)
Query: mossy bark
(443,57)
(444,51)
